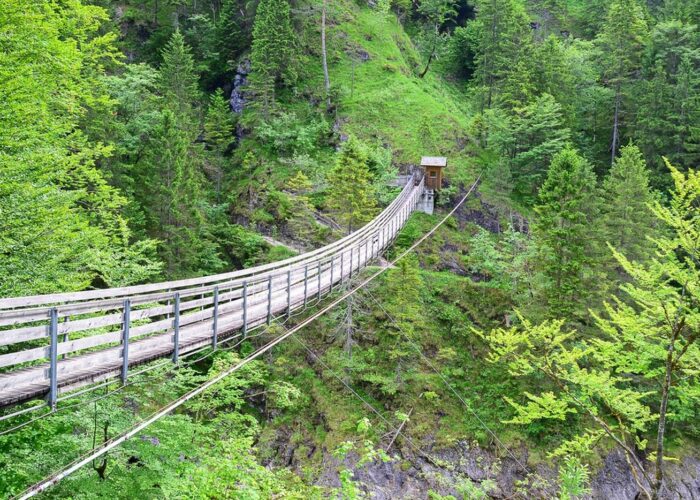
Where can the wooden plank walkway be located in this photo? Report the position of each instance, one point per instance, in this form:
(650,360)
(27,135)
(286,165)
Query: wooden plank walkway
(55,343)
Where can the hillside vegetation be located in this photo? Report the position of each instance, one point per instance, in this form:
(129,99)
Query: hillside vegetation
(543,343)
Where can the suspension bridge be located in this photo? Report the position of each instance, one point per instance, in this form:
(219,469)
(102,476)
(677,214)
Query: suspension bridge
(53,344)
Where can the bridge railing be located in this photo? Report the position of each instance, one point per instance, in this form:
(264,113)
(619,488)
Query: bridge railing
(61,341)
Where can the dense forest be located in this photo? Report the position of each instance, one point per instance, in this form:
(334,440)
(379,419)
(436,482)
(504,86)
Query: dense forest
(543,343)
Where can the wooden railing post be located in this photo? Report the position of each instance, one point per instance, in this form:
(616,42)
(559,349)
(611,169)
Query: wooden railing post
(289,293)
(125,340)
(351,264)
(318,279)
(65,337)
(215,323)
(176,328)
(342,270)
(245,309)
(53,355)
(269,299)
(330,288)
(306,283)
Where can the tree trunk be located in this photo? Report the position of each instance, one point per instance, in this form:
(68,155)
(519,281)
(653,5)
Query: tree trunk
(326,78)
(665,389)
(616,125)
(427,66)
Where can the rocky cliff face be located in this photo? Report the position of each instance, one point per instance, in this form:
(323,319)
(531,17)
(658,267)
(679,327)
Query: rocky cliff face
(466,469)
(237,100)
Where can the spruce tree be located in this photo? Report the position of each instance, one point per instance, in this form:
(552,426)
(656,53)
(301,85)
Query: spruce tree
(273,49)
(668,100)
(178,79)
(351,194)
(538,133)
(218,134)
(503,39)
(627,217)
(404,305)
(621,42)
(565,235)
(173,193)
(232,32)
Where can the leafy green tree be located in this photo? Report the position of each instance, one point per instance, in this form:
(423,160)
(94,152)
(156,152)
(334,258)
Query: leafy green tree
(273,50)
(61,224)
(643,359)
(565,234)
(626,209)
(621,42)
(433,39)
(351,195)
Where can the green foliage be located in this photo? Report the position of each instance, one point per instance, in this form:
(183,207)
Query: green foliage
(62,224)
(503,42)
(350,184)
(564,231)
(627,200)
(178,80)
(290,136)
(273,49)
(573,478)
(620,376)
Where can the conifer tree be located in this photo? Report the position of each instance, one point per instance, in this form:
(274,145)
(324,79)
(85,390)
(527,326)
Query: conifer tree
(627,217)
(503,29)
(301,222)
(218,134)
(232,32)
(565,234)
(668,100)
(273,49)
(174,196)
(621,42)
(178,79)
(405,308)
(538,133)
(641,364)
(351,195)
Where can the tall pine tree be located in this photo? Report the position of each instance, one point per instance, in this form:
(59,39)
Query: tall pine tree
(351,195)
(273,49)
(566,236)
(503,39)
(627,216)
(621,42)
(178,80)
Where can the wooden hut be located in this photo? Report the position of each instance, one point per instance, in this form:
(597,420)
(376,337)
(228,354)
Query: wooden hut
(432,166)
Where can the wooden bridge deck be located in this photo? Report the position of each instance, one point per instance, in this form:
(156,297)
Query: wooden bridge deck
(55,343)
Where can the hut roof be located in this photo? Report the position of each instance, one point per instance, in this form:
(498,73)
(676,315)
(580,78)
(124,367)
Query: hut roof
(433,161)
